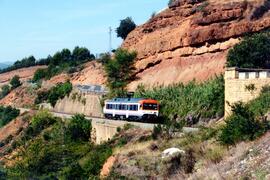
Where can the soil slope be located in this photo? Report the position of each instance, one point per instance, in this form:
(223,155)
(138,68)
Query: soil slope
(24,74)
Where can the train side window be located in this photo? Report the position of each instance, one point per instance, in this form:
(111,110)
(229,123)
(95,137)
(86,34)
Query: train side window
(133,107)
(117,106)
(122,107)
(107,106)
(113,106)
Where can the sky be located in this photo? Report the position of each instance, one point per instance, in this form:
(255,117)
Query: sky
(42,27)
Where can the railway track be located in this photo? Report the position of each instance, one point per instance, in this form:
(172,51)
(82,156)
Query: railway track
(115,123)
(101,120)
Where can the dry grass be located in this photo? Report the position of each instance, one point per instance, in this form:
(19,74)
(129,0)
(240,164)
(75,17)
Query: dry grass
(136,147)
(214,153)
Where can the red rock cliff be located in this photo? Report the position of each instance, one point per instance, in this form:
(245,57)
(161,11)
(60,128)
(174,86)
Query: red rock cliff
(191,38)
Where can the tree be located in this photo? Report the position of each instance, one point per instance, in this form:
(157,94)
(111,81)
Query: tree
(252,52)
(126,26)
(66,55)
(15,82)
(81,54)
(79,128)
(120,69)
(59,92)
(56,59)
(7,114)
(40,74)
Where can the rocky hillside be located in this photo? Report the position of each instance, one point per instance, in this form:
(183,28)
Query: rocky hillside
(190,39)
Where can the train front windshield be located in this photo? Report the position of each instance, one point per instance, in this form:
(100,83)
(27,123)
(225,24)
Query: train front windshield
(150,106)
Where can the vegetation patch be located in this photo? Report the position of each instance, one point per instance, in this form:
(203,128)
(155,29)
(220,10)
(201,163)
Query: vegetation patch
(248,121)
(189,102)
(79,128)
(252,52)
(126,26)
(119,71)
(51,148)
(54,94)
(7,114)
(13,84)
(61,61)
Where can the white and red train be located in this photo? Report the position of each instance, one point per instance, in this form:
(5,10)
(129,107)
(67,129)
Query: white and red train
(131,109)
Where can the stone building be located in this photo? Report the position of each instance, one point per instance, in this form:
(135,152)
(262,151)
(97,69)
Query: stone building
(243,85)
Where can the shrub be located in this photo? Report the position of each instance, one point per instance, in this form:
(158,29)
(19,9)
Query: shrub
(261,105)
(7,114)
(40,74)
(40,121)
(126,26)
(96,158)
(252,52)
(118,129)
(74,171)
(59,92)
(5,91)
(79,128)
(241,126)
(42,96)
(15,82)
(122,141)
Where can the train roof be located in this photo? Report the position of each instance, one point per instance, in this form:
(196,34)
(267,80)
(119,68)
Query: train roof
(125,100)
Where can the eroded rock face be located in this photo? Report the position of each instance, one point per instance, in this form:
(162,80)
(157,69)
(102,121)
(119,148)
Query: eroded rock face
(191,38)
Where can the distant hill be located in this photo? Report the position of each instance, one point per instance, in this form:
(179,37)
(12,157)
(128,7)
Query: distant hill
(5,65)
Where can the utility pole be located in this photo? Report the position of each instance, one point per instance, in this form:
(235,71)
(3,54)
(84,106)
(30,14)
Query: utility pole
(110,40)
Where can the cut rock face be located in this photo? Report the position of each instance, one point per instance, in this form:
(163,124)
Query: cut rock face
(194,36)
